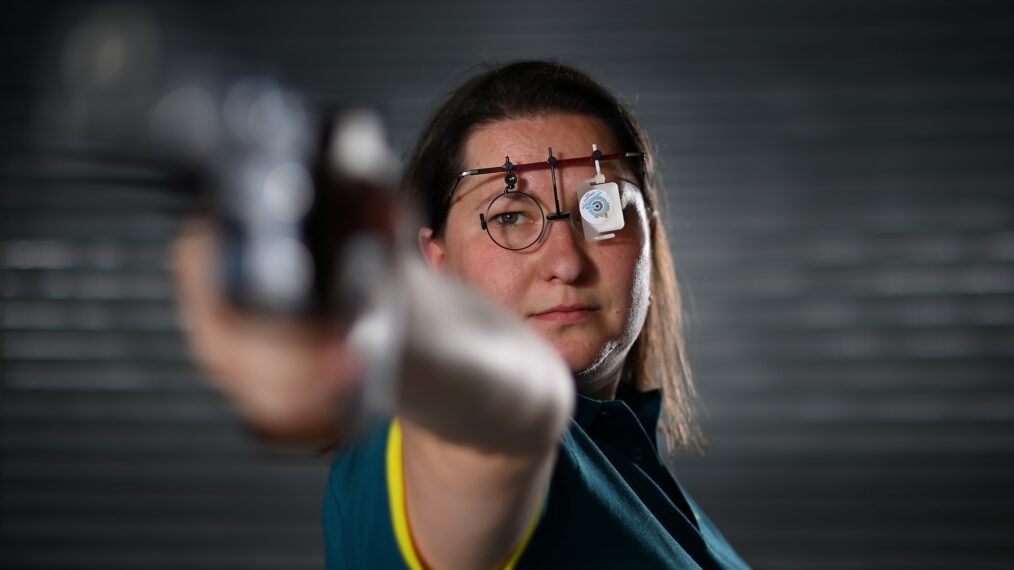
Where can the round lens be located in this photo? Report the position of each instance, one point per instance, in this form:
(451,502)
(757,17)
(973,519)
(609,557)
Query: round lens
(515,220)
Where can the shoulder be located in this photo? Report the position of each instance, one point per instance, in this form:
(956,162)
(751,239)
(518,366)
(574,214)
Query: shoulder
(718,546)
(365,520)
(360,460)
(356,517)
(602,511)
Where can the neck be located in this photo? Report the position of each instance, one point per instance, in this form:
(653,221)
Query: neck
(599,384)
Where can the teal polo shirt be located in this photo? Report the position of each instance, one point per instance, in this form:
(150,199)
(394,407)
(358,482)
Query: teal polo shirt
(611,501)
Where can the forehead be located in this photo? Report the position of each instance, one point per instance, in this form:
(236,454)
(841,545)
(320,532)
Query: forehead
(526,139)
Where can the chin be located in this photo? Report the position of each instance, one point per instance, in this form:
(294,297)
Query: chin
(576,352)
(580,365)
(587,359)
(588,353)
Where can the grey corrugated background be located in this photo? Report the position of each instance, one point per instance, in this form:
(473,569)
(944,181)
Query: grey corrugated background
(841,184)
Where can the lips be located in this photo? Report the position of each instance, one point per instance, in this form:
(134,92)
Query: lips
(566,314)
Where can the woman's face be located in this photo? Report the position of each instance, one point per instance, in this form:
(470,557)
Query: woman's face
(589,299)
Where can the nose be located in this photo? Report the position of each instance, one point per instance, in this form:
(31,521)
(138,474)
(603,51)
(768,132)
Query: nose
(563,254)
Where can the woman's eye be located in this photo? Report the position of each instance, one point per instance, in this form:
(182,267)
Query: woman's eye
(509,218)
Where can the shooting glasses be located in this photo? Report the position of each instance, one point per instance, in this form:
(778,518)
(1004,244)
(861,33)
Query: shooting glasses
(515,220)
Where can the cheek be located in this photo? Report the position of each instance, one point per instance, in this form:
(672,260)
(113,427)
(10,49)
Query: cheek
(492,270)
(640,289)
(630,272)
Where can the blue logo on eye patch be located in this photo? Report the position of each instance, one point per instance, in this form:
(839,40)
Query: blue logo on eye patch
(596,204)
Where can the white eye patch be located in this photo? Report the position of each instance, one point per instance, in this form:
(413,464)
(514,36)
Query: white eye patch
(601,208)
(600,204)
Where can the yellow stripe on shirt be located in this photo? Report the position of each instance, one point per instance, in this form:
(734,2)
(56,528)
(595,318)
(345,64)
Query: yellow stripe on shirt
(399,511)
(396,497)
(512,560)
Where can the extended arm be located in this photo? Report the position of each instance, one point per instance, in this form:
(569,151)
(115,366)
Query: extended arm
(482,400)
(483,403)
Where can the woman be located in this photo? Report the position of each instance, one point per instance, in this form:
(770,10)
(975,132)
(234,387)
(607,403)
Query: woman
(481,467)
(539,348)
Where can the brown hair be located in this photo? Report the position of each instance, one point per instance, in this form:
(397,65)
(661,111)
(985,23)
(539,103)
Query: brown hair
(526,88)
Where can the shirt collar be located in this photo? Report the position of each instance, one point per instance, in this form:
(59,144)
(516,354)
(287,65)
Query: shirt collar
(647,406)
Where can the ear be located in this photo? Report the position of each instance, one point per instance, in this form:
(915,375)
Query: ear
(432,248)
